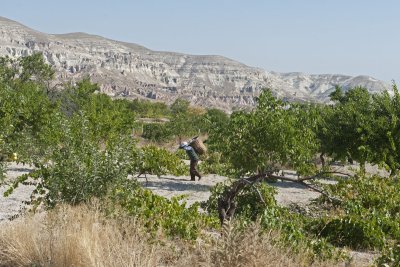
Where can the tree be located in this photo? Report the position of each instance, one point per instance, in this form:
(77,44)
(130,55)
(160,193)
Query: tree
(272,135)
(385,140)
(346,128)
(25,109)
(34,68)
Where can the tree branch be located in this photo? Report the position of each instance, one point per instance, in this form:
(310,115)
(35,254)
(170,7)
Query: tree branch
(227,205)
(321,174)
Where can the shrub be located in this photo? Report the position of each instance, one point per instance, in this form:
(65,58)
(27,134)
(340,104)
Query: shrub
(293,227)
(368,215)
(390,256)
(159,213)
(159,161)
(79,170)
(156,132)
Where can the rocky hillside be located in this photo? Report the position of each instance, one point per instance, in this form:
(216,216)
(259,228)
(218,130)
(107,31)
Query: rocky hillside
(132,71)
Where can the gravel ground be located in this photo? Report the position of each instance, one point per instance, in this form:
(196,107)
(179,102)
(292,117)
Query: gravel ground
(13,204)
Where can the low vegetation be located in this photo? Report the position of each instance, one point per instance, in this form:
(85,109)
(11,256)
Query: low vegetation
(83,236)
(87,147)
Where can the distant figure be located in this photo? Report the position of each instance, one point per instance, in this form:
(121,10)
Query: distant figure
(194,160)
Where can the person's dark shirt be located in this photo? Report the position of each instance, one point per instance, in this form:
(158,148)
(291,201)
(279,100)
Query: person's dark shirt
(191,153)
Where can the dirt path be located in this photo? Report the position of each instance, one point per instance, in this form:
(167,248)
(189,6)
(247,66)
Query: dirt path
(13,204)
(167,186)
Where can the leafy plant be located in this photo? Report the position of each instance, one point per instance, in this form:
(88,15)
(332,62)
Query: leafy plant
(168,215)
(159,161)
(79,170)
(257,203)
(272,135)
(390,256)
(365,218)
(156,132)
(213,163)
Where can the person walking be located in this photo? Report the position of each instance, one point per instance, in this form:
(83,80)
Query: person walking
(194,160)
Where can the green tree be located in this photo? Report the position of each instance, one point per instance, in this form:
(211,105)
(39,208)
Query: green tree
(186,121)
(346,128)
(385,140)
(273,134)
(25,109)
(34,68)
(108,118)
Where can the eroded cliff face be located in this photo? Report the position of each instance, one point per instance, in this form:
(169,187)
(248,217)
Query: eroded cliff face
(133,71)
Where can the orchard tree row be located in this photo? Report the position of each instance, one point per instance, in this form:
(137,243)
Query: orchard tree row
(357,126)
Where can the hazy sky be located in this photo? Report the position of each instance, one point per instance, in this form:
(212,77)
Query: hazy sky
(353,37)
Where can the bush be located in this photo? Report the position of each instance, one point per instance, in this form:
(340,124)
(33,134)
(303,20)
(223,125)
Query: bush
(351,231)
(156,132)
(213,163)
(159,161)
(158,213)
(293,227)
(79,170)
(367,217)
(390,256)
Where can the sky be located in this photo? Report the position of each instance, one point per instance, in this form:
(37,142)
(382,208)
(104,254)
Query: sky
(352,37)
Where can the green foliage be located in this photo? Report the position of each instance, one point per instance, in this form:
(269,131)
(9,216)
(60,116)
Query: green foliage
(147,109)
(390,256)
(368,216)
(347,127)
(80,143)
(180,124)
(213,163)
(25,69)
(8,70)
(156,132)
(293,227)
(34,68)
(79,170)
(26,113)
(184,121)
(215,118)
(74,97)
(362,127)
(385,140)
(273,134)
(108,118)
(159,213)
(2,171)
(249,203)
(159,161)
(81,147)
(180,106)
(352,231)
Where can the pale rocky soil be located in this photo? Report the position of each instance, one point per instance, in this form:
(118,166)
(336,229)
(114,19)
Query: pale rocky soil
(168,186)
(13,204)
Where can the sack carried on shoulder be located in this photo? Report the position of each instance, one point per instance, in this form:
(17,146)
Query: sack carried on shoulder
(198,146)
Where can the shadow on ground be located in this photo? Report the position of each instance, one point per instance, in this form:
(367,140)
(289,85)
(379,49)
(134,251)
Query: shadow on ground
(174,184)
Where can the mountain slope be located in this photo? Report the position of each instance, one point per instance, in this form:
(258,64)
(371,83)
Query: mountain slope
(132,71)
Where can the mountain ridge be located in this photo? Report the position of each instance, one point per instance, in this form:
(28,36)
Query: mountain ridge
(130,70)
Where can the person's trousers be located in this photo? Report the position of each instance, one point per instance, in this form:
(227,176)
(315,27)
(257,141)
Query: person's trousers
(193,170)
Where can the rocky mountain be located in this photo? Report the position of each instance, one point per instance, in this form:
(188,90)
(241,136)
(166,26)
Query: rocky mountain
(133,71)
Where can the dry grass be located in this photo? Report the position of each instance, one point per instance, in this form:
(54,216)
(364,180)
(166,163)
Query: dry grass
(80,236)
(75,237)
(251,247)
